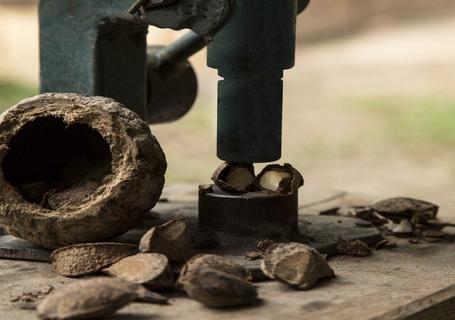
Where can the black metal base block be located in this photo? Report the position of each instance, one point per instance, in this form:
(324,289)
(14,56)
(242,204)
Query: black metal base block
(258,214)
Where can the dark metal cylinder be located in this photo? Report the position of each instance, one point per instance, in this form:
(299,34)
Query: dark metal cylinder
(250,52)
(257,214)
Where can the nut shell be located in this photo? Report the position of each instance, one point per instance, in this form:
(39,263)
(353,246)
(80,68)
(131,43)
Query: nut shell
(221,176)
(298,265)
(84,259)
(87,299)
(400,208)
(287,185)
(218,289)
(214,262)
(150,269)
(132,188)
(172,239)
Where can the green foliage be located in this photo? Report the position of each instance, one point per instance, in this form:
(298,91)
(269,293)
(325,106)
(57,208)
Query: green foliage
(417,120)
(11,93)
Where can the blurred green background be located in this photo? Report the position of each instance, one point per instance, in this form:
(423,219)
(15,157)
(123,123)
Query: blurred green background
(11,92)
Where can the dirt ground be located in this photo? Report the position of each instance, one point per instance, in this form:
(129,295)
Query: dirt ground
(371,112)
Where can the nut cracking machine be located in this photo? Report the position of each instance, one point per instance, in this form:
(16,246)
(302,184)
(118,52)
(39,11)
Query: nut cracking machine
(99,48)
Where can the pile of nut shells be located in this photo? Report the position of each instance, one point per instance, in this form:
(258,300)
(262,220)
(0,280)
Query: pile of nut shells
(113,275)
(409,218)
(399,217)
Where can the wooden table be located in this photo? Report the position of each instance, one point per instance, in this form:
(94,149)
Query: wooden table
(412,281)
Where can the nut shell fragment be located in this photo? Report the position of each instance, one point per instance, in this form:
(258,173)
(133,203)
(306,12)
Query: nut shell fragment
(354,248)
(87,299)
(172,239)
(234,177)
(298,265)
(218,289)
(84,259)
(214,262)
(385,244)
(283,179)
(401,208)
(150,269)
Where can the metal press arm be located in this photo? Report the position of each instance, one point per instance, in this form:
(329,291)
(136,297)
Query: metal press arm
(251,43)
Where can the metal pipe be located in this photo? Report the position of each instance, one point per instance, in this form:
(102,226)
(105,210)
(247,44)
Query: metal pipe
(178,51)
(250,52)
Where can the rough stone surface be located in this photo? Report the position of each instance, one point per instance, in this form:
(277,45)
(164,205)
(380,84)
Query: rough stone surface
(219,289)
(132,187)
(298,265)
(83,259)
(150,269)
(87,299)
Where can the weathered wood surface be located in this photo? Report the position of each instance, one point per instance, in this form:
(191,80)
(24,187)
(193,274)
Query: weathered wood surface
(413,281)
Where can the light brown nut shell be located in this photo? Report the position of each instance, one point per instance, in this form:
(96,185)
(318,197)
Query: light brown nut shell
(132,188)
(287,186)
(298,265)
(172,239)
(218,289)
(214,262)
(87,299)
(220,176)
(83,259)
(150,269)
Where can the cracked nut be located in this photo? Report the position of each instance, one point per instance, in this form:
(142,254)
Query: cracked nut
(283,179)
(234,177)
(298,265)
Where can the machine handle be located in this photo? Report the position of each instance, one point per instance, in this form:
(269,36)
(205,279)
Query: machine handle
(178,51)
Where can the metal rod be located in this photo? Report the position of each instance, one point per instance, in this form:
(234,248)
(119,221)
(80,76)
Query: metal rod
(180,50)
